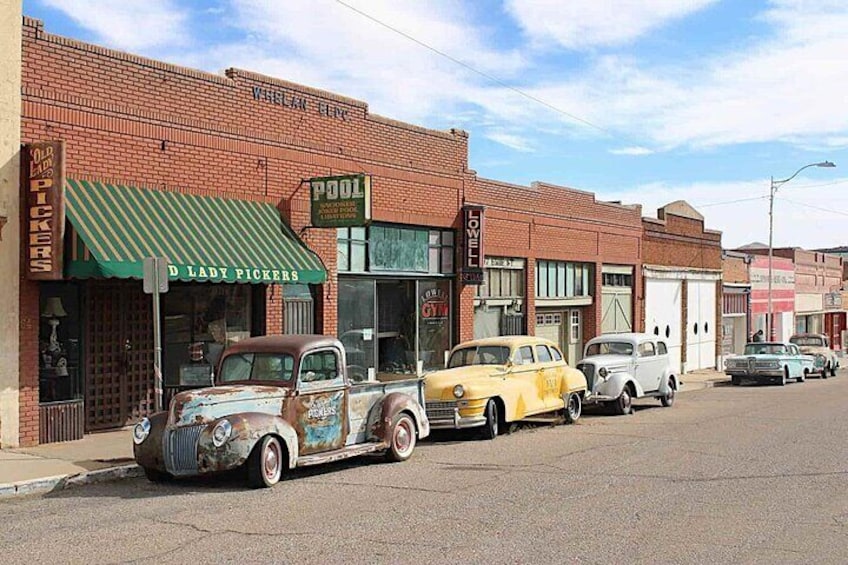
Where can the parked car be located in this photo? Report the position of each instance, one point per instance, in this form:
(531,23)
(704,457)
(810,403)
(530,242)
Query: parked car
(825,360)
(491,382)
(280,402)
(621,367)
(769,362)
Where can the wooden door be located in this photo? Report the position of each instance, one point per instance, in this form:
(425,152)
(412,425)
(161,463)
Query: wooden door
(119,354)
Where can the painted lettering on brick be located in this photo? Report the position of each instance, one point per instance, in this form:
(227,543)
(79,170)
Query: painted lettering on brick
(296,102)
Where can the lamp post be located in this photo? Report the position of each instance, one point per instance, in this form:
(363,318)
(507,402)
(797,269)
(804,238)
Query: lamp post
(776,184)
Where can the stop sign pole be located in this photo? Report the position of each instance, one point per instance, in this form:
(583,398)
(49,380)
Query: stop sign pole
(155,283)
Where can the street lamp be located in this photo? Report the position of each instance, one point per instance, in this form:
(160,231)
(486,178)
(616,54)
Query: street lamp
(776,184)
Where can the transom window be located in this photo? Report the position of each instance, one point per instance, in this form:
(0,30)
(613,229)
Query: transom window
(558,279)
(389,248)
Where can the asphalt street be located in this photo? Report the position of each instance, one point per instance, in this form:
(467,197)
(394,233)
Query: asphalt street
(755,474)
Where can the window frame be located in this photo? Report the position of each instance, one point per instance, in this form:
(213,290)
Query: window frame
(308,386)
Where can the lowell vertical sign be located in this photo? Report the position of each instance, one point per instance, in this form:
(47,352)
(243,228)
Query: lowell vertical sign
(338,202)
(44,219)
(472,255)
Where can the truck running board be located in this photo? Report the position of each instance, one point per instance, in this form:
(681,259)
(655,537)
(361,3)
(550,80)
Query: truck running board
(339,454)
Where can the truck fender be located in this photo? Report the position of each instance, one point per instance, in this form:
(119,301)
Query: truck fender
(149,453)
(383,413)
(618,380)
(248,429)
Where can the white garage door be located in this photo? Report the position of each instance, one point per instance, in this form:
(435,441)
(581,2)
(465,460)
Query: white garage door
(663,305)
(701,327)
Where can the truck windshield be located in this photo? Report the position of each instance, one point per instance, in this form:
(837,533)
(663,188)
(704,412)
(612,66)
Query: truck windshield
(808,341)
(765,349)
(257,367)
(610,348)
(483,355)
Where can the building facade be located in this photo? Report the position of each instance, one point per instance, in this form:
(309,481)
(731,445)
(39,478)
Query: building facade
(736,302)
(682,269)
(783,297)
(218,178)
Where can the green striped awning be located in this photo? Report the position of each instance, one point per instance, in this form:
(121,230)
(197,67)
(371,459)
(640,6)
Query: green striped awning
(203,238)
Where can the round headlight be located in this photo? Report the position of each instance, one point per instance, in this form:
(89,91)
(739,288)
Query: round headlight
(603,372)
(221,433)
(141,431)
(459,391)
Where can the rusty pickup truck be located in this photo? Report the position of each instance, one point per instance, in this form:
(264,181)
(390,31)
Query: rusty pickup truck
(280,402)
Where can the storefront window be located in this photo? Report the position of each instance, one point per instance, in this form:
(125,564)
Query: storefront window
(556,279)
(60,378)
(434,323)
(356,325)
(200,320)
(398,249)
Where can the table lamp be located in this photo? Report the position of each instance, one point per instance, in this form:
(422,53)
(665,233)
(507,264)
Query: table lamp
(54,310)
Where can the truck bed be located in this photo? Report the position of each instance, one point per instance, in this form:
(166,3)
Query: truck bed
(364,395)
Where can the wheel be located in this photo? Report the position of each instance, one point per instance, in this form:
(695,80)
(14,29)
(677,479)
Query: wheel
(833,371)
(825,371)
(624,403)
(156,476)
(402,442)
(573,408)
(784,378)
(802,377)
(265,464)
(668,399)
(490,428)
(735,381)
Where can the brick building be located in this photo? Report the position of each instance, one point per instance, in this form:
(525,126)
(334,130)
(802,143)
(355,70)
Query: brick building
(215,173)
(735,302)
(818,291)
(682,269)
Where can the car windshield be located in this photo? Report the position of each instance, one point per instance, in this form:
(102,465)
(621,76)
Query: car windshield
(277,367)
(765,349)
(813,341)
(610,348)
(482,355)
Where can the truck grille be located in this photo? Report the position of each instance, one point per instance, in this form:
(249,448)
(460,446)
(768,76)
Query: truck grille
(180,446)
(588,370)
(440,410)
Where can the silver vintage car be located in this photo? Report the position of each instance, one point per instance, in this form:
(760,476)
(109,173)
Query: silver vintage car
(818,346)
(621,367)
(772,362)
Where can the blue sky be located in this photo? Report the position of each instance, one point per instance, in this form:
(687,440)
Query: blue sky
(645,101)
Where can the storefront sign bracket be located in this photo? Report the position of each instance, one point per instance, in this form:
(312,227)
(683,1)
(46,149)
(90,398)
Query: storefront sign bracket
(155,283)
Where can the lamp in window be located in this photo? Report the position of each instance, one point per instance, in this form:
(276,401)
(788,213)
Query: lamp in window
(53,309)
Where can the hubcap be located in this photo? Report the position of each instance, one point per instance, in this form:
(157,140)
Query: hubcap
(403,437)
(272,461)
(572,406)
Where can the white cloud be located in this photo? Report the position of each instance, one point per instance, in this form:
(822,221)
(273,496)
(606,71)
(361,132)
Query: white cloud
(740,209)
(580,24)
(128,24)
(632,151)
(510,140)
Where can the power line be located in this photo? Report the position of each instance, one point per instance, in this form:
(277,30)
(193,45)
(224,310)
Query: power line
(839,212)
(722,203)
(474,70)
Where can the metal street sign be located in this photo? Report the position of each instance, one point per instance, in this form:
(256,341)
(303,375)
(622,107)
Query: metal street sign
(155,274)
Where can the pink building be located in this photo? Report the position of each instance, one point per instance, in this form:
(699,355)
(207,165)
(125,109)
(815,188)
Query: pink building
(782,296)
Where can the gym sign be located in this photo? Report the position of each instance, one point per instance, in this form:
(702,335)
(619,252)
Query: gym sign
(44,219)
(340,202)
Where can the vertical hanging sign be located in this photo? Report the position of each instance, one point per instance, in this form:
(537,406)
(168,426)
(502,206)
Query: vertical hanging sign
(472,254)
(44,218)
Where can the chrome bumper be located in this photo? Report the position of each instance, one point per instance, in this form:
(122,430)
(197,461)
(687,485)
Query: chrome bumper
(445,415)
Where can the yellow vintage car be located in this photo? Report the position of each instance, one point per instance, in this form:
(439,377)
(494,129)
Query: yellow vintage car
(491,382)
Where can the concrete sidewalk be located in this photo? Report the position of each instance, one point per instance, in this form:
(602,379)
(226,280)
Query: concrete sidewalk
(705,378)
(55,466)
(108,455)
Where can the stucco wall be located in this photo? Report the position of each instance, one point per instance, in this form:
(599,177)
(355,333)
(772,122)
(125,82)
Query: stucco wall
(10,140)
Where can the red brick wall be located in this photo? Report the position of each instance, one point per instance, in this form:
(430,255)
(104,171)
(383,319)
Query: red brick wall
(550,222)
(735,270)
(815,272)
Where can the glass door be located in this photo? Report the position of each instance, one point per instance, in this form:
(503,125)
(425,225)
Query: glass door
(396,329)
(357,326)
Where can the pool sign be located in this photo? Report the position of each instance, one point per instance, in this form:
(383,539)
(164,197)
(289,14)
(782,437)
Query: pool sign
(338,202)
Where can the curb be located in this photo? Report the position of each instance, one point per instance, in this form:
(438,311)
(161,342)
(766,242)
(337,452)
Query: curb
(56,483)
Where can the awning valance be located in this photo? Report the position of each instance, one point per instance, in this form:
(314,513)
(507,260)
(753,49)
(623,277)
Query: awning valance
(204,238)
